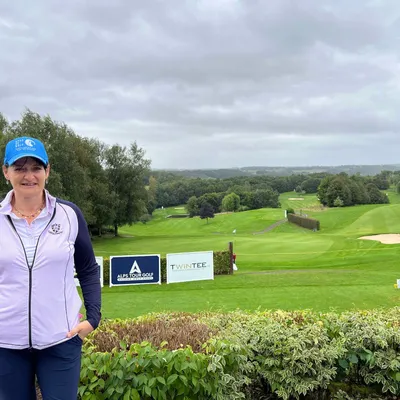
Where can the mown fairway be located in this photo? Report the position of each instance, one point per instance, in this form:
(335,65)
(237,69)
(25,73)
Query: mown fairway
(286,268)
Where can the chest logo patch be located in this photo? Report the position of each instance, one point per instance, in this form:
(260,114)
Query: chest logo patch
(55,229)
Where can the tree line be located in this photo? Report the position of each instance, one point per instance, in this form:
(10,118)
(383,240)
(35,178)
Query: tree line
(173,190)
(263,191)
(107,182)
(114,185)
(342,190)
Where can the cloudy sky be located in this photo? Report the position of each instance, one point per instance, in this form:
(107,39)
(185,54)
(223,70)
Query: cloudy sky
(212,83)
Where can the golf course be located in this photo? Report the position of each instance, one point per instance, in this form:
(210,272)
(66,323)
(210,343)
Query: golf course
(286,267)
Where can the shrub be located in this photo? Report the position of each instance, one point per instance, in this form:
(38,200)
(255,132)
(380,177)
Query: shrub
(304,222)
(178,216)
(169,333)
(291,355)
(143,371)
(372,345)
(338,202)
(145,218)
(290,211)
(288,355)
(106,271)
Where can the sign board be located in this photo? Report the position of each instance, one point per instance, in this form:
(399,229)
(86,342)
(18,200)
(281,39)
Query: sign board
(186,267)
(135,270)
(99,261)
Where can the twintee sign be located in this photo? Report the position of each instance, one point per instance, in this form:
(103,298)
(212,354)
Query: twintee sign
(99,261)
(186,267)
(135,270)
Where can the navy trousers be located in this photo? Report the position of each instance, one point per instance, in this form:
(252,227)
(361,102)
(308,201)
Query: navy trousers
(56,368)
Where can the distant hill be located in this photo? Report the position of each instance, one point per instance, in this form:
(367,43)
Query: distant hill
(283,171)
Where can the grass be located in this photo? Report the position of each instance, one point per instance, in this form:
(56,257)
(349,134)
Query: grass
(287,268)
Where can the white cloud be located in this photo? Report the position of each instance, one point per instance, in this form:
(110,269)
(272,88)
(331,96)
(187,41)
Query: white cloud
(212,84)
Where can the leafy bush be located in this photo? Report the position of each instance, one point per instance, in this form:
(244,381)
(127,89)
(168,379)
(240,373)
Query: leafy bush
(222,263)
(288,355)
(372,348)
(309,354)
(143,371)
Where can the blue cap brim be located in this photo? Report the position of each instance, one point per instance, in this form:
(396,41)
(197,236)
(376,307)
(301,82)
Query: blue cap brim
(34,155)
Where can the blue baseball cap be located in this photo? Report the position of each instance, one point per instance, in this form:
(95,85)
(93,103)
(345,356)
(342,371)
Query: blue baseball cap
(25,147)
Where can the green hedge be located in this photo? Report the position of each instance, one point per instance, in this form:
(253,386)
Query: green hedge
(178,216)
(304,222)
(274,355)
(221,266)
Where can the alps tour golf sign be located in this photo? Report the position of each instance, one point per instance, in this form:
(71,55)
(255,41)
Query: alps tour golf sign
(135,270)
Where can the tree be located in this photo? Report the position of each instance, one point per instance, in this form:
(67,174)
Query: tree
(192,206)
(214,199)
(381,181)
(126,168)
(206,211)
(376,196)
(265,198)
(323,189)
(3,123)
(358,191)
(338,188)
(231,202)
(310,185)
(298,189)
(151,204)
(103,201)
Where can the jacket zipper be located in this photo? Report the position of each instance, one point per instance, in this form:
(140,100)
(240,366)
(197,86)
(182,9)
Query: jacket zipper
(30,271)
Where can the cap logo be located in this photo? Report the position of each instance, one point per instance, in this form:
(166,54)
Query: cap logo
(29,142)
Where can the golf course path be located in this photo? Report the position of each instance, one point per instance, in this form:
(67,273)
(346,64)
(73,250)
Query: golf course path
(273,226)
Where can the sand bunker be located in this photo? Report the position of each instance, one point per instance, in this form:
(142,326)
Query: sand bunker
(296,198)
(392,238)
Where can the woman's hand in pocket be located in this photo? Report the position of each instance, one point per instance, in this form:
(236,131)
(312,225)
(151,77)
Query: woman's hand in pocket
(82,329)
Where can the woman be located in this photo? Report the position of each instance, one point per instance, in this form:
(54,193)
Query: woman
(42,240)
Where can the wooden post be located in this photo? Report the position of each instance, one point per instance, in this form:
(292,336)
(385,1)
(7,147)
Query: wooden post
(231,258)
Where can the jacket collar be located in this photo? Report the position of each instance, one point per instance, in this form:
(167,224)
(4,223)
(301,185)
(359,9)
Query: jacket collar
(5,205)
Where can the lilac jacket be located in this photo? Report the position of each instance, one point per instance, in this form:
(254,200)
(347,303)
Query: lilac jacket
(40,304)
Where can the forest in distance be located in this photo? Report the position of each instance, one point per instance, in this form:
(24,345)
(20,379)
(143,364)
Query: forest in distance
(221,173)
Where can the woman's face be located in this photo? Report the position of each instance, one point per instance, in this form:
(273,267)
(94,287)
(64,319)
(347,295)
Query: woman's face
(27,176)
